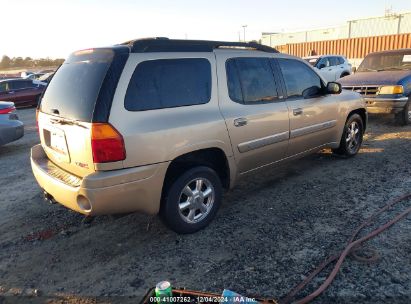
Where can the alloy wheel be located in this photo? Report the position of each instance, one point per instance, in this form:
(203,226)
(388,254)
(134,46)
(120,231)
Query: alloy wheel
(353,136)
(196,200)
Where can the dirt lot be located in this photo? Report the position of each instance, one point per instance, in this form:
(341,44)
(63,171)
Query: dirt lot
(271,230)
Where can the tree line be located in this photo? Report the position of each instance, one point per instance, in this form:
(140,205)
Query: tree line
(28,62)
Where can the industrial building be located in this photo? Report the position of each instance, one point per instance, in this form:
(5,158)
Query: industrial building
(354,39)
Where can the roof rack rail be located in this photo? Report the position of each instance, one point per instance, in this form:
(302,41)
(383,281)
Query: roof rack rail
(162,44)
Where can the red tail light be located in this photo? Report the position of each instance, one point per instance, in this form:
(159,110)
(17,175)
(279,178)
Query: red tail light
(7,110)
(107,143)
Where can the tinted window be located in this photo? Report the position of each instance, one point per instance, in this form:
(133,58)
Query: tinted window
(21,84)
(299,79)
(250,80)
(3,86)
(323,61)
(341,60)
(387,61)
(75,86)
(168,83)
(334,61)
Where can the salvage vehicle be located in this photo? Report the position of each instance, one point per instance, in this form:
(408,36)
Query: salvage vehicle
(331,67)
(11,128)
(163,126)
(23,92)
(384,80)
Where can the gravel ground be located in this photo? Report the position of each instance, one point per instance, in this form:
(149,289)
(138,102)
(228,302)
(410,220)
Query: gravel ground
(271,230)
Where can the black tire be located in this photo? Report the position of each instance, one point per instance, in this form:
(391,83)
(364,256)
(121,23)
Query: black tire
(172,212)
(348,146)
(404,117)
(344,74)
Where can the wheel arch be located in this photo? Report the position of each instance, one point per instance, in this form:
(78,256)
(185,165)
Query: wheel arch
(212,157)
(363,113)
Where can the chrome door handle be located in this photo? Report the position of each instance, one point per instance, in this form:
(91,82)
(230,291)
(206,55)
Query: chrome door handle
(239,122)
(297,112)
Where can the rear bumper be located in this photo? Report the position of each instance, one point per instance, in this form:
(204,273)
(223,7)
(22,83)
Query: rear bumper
(385,105)
(105,192)
(10,130)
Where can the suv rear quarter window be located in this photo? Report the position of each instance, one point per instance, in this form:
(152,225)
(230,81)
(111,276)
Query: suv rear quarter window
(168,83)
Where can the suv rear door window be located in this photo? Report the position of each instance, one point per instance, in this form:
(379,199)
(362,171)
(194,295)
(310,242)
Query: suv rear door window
(250,80)
(334,61)
(341,60)
(300,80)
(168,83)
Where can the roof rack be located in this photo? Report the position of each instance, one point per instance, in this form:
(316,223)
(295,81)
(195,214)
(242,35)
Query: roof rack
(162,44)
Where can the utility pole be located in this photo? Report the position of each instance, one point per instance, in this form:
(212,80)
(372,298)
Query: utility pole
(244,26)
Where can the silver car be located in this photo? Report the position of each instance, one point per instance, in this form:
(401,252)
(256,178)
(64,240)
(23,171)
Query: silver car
(11,128)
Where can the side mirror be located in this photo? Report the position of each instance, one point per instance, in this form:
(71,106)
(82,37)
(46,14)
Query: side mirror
(321,66)
(334,88)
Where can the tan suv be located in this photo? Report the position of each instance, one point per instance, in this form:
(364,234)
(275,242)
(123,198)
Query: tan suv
(163,126)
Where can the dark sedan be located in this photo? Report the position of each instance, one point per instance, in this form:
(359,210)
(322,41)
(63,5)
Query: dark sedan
(23,92)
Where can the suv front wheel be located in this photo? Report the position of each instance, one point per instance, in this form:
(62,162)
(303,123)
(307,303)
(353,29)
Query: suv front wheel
(192,200)
(352,136)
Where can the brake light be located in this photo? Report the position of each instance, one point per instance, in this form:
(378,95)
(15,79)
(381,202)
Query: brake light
(7,110)
(107,144)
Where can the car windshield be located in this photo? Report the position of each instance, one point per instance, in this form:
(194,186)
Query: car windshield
(386,62)
(312,61)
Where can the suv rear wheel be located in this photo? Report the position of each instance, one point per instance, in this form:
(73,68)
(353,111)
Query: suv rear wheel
(352,136)
(404,117)
(192,200)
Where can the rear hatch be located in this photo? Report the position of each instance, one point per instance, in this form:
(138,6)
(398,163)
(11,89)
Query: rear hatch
(78,97)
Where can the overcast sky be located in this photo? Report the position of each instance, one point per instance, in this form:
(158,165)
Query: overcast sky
(55,28)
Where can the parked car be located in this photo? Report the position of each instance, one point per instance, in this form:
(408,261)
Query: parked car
(34,76)
(331,67)
(163,126)
(11,128)
(46,77)
(384,79)
(23,92)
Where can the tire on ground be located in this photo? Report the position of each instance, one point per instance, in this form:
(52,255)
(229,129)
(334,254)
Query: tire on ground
(404,117)
(346,148)
(170,211)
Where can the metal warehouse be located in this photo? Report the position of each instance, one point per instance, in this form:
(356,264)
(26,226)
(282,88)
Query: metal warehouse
(354,39)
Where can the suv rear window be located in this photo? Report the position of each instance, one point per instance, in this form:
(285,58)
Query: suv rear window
(75,86)
(168,83)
